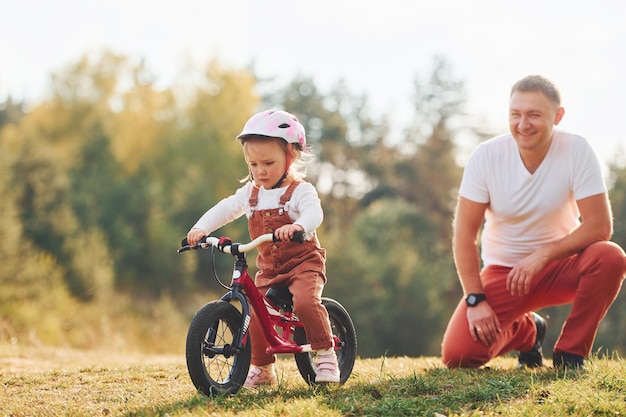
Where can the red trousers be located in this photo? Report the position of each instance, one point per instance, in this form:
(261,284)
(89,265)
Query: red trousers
(589,280)
(306,287)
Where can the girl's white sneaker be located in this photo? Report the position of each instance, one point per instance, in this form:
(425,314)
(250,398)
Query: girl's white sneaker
(327,367)
(259,376)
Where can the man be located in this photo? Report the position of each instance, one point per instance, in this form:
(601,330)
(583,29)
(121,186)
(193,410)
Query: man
(545,239)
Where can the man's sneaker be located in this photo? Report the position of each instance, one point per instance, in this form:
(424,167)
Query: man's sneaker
(534,357)
(259,376)
(327,368)
(564,360)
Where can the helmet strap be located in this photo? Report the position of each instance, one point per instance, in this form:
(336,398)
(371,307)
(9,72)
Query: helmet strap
(280,181)
(287,165)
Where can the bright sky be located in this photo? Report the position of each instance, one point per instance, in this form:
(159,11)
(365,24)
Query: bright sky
(377,47)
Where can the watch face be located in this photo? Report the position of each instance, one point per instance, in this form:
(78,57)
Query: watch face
(474,299)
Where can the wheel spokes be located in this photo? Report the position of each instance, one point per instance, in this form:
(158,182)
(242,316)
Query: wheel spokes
(218,353)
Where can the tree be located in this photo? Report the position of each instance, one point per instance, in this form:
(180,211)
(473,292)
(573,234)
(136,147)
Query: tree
(34,300)
(10,112)
(423,169)
(340,132)
(616,316)
(390,238)
(388,274)
(198,166)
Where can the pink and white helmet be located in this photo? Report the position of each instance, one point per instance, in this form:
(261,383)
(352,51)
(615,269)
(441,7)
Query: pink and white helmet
(277,124)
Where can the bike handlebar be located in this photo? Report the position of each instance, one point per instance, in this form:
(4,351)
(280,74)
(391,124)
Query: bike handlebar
(209,241)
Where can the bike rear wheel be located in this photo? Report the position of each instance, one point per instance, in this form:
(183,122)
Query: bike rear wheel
(341,326)
(214,366)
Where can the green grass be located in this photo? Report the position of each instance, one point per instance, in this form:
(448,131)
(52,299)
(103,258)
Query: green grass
(56,382)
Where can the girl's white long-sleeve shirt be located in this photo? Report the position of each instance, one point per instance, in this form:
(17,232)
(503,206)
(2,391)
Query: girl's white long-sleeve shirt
(304,207)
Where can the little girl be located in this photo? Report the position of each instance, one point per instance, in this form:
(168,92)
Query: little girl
(276,199)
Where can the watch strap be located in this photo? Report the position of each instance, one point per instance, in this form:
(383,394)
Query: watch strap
(474,299)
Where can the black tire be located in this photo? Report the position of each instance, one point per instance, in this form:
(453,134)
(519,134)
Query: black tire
(215,326)
(341,326)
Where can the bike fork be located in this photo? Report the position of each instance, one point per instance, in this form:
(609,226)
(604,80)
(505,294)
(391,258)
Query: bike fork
(240,338)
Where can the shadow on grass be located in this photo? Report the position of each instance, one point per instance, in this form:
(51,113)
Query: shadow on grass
(426,392)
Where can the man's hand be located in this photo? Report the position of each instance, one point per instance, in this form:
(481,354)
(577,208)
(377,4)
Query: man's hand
(520,278)
(484,325)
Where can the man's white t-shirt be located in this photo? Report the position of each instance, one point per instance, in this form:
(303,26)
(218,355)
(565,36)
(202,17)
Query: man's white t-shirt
(528,210)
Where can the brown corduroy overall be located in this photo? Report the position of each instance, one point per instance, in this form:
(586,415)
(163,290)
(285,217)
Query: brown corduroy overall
(301,267)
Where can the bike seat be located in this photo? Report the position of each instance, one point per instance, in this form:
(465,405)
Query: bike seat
(281,296)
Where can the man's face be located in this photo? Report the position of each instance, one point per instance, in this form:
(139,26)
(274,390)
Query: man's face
(532,117)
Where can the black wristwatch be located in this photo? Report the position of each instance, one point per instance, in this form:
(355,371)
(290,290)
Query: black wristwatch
(474,299)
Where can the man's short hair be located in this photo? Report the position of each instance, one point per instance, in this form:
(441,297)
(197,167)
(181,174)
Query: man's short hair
(538,83)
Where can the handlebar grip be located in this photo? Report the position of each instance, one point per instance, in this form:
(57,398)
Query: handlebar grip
(185,245)
(185,242)
(184,249)
(298,237)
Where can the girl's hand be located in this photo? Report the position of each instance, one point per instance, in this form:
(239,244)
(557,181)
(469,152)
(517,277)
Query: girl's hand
(285,233)
(194,236)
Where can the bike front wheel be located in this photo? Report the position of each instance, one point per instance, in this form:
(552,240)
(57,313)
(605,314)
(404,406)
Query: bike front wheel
(341,326)
(215,367)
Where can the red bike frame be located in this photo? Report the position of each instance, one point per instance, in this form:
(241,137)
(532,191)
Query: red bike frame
(269,314)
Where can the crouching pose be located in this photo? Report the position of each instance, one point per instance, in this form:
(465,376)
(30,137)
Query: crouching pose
(545,239)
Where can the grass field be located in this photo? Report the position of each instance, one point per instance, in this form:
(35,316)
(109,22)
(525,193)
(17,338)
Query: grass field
(60,382)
